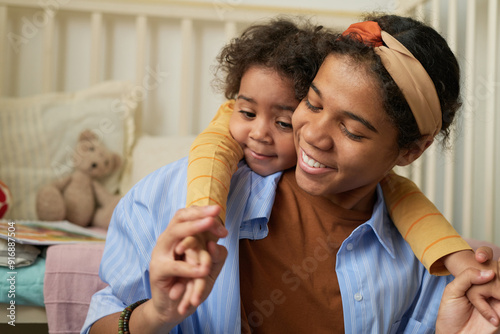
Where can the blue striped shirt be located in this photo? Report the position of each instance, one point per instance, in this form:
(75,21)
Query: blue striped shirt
(384,288)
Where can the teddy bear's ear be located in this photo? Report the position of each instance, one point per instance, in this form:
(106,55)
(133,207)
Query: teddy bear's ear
(87,135)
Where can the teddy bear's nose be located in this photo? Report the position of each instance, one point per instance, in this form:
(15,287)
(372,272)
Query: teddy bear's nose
(94,165)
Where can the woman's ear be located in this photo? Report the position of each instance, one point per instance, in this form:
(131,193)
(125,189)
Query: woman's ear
(408,155)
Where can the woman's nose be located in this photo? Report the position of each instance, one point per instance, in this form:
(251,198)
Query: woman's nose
(318,134)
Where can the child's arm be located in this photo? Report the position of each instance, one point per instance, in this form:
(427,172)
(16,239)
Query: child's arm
(435,242)
(213,159)
(429,234)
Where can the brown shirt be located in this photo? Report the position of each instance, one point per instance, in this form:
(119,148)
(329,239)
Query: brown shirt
(288,279)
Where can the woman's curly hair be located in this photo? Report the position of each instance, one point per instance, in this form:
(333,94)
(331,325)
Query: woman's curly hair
(431,50)
(293,48)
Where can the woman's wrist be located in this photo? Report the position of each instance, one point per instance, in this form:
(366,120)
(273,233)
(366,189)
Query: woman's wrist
(146,320)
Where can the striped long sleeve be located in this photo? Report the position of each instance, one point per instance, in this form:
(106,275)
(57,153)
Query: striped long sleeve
(420,223)
(213,159)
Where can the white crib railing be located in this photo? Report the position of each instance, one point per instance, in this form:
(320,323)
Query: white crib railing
(463,180)
(65,45)
(34,26)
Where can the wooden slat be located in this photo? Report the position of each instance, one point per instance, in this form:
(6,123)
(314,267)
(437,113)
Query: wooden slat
(230,30)
(96,27)
(48,54)
(449,174)
(420,11)
(141,28)
(3,49)
(139,91)
(435,10)
(417,171)
(431,154)
(430,172)
(470,48)
(186,79)
(489,171)
(404,7)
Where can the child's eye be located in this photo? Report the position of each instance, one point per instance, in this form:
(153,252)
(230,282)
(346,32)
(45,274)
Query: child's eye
(284,125)
(311,107)
(351,135)
(247,114)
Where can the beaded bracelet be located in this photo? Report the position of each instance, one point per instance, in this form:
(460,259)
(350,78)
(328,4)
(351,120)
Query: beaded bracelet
(125,317)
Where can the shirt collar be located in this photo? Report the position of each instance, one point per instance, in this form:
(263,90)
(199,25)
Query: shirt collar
(381,224)
(261,194)
(261,199)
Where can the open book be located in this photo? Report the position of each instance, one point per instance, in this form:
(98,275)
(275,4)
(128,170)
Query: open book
(47,233)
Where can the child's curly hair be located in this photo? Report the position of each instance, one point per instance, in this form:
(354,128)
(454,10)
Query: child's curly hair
(293,48)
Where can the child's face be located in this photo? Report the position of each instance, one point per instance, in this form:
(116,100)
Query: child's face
(262,120)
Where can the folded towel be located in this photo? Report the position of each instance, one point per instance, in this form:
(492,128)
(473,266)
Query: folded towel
(23,255)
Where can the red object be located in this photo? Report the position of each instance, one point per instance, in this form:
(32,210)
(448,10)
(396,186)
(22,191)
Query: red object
(368,32)
(5,199)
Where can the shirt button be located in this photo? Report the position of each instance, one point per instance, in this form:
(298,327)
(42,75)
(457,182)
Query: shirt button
(349,247)
(358,297)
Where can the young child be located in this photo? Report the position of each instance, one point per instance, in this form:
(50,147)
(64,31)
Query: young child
(268,70)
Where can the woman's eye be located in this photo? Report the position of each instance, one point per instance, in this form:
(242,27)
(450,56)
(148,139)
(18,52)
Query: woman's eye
(350,134)
(247,114)
(284,125)
(311,107)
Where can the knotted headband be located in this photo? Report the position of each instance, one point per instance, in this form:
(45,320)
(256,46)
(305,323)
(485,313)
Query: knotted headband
(410,76)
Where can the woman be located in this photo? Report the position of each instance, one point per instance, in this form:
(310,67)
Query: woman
(325,256)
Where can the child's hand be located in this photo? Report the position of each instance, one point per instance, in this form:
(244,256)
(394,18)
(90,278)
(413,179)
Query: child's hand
(194,250)
(480,295)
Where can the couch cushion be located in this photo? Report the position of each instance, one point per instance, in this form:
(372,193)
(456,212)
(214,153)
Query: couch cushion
(151,153)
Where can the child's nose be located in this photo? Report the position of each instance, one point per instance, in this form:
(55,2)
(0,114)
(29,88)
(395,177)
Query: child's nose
(261,134)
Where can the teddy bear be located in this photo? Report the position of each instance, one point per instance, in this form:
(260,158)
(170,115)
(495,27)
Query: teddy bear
(79,197)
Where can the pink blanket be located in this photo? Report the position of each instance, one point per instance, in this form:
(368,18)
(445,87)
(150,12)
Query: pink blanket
(71,278)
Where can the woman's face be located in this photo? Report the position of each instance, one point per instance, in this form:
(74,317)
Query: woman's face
(344,140)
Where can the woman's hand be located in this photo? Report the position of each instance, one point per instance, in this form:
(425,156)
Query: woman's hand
(457,314)
(171,275)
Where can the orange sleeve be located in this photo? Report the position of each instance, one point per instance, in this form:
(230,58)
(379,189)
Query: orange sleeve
(213,159)
(429,234)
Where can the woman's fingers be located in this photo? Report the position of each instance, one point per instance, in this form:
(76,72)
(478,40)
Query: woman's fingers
(177,290)
(459,286)
(169,269)
(485,309)
(194,220)
(187,243)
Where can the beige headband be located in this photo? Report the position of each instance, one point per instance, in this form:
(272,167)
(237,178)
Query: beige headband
(410,76)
